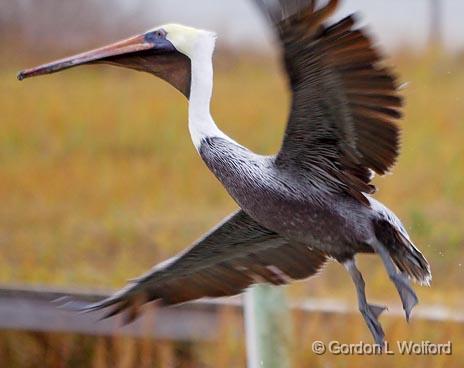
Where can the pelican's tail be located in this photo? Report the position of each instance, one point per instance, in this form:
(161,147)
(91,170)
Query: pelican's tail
(406,256)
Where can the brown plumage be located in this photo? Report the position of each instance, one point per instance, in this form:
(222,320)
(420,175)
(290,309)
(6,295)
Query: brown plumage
(248,253)
(338,66)
(302,206)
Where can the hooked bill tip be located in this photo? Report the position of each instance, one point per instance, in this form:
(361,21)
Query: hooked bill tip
(20,76)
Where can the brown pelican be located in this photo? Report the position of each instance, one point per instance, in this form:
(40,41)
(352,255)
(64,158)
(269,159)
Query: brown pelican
(308,203)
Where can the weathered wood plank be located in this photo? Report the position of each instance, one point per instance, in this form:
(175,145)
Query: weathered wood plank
(33,310)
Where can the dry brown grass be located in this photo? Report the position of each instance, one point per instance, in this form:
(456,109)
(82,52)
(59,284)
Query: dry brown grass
(99,181)
(26,349)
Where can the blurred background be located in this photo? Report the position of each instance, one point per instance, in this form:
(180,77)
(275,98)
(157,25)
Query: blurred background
(99,180)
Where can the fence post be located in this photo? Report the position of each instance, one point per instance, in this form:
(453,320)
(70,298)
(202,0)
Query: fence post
(436,23)
(268,327)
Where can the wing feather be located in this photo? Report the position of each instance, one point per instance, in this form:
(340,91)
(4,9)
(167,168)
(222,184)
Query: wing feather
(236,254)
(345,103)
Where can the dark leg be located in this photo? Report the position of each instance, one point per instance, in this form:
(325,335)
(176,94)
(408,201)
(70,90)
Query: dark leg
(407,294)
(369,312)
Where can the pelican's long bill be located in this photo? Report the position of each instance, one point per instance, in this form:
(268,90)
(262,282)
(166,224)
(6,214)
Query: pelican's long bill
(150,52)
(131,46)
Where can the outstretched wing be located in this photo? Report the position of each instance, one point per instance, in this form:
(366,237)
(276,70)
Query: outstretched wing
(234,255)
(345,104)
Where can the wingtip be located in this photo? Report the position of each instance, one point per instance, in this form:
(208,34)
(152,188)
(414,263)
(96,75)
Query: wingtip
(68,304)
(20,76)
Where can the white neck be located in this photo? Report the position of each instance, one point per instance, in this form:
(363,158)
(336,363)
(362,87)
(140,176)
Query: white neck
(201,124)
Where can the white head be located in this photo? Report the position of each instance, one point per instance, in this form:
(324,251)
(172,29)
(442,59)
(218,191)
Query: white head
(178,54)
(188,40)
(166,51)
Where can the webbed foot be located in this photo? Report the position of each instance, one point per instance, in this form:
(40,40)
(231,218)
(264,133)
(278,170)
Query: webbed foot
(371,315)
(407,294)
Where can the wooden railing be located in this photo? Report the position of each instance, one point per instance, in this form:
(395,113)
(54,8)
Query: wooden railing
(33,329)
(33,310)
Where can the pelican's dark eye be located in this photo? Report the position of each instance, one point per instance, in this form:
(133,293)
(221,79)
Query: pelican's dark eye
(155,35)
